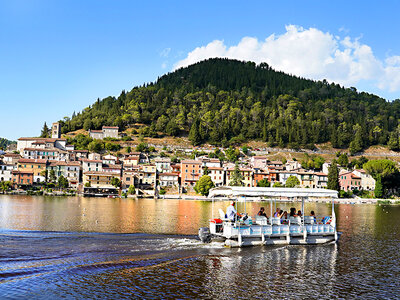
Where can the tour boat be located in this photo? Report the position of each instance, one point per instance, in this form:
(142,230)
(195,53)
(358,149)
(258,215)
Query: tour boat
(248,231)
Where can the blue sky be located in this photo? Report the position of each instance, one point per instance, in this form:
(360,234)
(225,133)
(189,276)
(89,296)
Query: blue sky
(57,57)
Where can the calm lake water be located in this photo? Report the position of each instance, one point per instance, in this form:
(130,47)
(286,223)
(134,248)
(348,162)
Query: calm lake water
(121,248)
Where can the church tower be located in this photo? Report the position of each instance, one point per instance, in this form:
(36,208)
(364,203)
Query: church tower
(56,131)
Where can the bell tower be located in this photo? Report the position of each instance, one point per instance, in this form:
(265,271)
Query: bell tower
(56,131)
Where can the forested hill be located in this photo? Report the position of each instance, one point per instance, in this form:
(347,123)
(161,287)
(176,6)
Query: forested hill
(223,102)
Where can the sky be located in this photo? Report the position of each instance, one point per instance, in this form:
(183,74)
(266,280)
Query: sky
(57,57)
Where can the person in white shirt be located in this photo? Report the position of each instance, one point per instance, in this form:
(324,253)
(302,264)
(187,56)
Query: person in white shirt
(231,212)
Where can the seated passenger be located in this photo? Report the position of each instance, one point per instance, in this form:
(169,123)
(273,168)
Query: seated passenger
(231,212)
(284,217)
(262,212)
(293,212)
(312,214)
(277,213)
(299,213)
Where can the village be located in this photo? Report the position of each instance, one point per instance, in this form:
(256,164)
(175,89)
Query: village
(53,166)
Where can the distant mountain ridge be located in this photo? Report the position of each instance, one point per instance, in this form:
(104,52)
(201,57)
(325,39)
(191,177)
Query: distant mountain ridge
(224,101)
(4,143)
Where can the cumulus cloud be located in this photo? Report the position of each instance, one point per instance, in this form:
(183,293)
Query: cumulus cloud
(310,53)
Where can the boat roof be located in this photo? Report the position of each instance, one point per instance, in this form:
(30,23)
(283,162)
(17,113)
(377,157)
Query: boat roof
(238,191)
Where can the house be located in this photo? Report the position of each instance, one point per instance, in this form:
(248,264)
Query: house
(191,171)
(50,153)
(168,179)
(284,175)
(367,181)
(99,179)
(94,156)
(110,159)
(105,132)
(6,171)
(70,170)
(35,166)
(96,134)
(130,177)
(163,164)
(348,181)
(148,174)
(89,165)
(246,173)
(292,165)
(11,158)
(217,175)
(306,178)
(260,174)
(113,168)
(259,162)
(22,178)
(41,143)
(130,161)
(210,162)
(321,180)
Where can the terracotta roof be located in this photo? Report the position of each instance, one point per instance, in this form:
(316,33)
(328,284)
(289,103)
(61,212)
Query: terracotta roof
(85,151)
(96,131)
(215,168)
(99,173)
(32,161)
(11,155)
(191,161)
(21,172)
(112,167)
(321,174)
(92,161)
(168,174)
(111,127)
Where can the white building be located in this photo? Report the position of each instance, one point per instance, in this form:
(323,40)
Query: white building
(367,181)
(89,165)
(40,143)
(105,132)
(217,175)
(163,164)
(168,179)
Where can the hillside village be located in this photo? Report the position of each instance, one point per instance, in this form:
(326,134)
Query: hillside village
(37,163)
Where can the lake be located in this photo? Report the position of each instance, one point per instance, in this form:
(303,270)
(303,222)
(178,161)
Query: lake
(75,247)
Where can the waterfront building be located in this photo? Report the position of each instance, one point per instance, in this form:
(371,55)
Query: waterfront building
(6,171)
(89,165)
(22,178)
(130,177)
(217,175)
(246,173)
(306,178)
(168,179)
(321,180)
(70,170)
(163,164)
(148,174)
(284,175)
(191,171)
(367,181)
(348,181)
(35,166)
(97,179)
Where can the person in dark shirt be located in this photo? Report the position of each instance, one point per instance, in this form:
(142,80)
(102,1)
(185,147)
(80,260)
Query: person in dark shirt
(262,212)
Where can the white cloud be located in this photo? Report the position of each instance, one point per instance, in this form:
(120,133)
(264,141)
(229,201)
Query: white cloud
(310,53)
(164,65)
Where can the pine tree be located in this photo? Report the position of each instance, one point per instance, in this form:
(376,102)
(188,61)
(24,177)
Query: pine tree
(378,187)
(45,131)
(194,133)
(237,177)
(333,177)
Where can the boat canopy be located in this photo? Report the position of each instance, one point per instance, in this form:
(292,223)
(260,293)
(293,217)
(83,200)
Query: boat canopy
(239,191)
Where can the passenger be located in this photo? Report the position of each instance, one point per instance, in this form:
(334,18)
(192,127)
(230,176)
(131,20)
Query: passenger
(293,212)
(277,213)
(262,212)
(312,214)
(231,212)
(299,213)
(284,217)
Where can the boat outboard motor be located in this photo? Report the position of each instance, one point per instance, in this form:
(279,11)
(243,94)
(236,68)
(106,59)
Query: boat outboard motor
(205,235)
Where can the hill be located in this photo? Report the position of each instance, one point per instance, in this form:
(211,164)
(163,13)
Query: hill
(222,102)
(4,143)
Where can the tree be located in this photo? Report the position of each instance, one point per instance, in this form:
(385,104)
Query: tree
(333,177)
(45,174)
(131,190)
(292,181)
(116,182)
(87,184)
(343,160)
(62,182)
(356,144)
(52,176)
(96,146)
(45,131)
(232,154)
(142,147)
(5,185)
(236,177)
(204,185)
(264,183)
(205,170)
(277,184)
(194,133)
(380,167)
(378,192)
(128,149)
(393,142)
